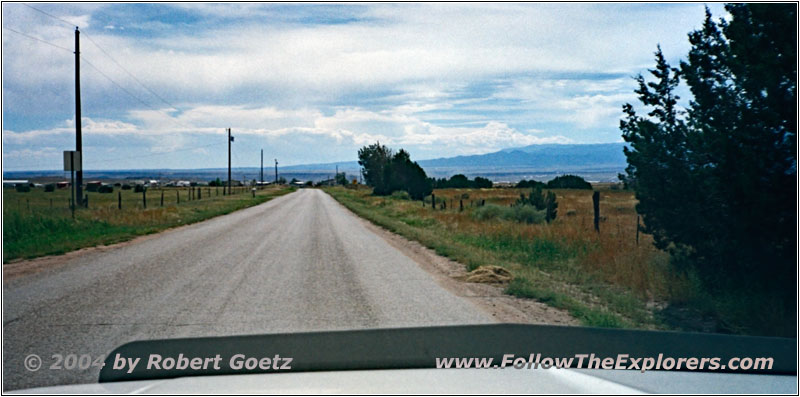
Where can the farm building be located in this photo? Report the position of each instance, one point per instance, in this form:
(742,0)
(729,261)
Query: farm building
(14,182)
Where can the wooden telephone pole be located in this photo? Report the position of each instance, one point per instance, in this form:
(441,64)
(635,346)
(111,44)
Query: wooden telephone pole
(78,138)
(262,166)
(276,170)
(230,139)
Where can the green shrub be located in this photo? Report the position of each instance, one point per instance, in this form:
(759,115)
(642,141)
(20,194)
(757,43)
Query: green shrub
(526,214)
(569,182)
(105,189)
(138,188)
(23,187)
(551,207)
(532,184)
(517,213)
(401,194)
(50,187)
(488,212)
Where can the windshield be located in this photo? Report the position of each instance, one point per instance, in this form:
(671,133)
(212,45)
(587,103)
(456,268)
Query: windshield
(183,171)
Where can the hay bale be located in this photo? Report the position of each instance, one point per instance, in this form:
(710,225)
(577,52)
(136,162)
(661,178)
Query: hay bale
(489,274)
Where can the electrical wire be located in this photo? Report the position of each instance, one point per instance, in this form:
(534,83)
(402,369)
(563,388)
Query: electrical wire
(170,117)
(92,65)
(129,73)
(71,25)
(118,85)
(37,39)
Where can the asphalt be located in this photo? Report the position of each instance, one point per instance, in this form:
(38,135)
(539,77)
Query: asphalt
(300,262)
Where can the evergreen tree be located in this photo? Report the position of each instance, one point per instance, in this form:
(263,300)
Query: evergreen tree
(716,182)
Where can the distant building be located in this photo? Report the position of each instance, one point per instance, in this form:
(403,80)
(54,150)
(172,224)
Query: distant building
(14,182)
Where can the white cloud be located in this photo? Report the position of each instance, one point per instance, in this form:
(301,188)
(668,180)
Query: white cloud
(441,78)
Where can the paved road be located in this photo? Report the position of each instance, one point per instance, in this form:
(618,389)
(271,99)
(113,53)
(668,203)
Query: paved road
(300,262)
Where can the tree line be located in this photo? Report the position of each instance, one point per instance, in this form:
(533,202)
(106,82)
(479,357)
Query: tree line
(716,179)
(559,182)
(388,172)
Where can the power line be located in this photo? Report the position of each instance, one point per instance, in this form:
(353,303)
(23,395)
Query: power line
(101,73)
(165,113)
(117,84)
(37,39)
(129,73)
(71,25)
(107,54)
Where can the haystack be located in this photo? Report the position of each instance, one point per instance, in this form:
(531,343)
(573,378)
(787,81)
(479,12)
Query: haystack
(489,274)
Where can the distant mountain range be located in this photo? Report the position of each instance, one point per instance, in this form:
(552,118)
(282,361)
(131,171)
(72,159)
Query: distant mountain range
(595,162)
(550,157)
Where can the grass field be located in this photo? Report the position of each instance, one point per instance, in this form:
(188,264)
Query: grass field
(603,279)
(40,223)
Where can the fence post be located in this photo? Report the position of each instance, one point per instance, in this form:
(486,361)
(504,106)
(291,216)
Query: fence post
(596,204)
(433,201)
(199,193)
(254,192)
(119,200)
(144,198)
(178,196)
(460,205)
(162,198)
(637,229)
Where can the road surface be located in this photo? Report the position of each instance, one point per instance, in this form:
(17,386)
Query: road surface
(300,262)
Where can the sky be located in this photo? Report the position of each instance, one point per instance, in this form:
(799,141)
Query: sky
(312,83)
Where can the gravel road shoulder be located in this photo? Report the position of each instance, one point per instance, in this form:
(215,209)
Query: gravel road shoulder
(488,297)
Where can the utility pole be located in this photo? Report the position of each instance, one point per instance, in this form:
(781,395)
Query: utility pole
(276,170)
(262,166)
(230,139)
(78,138)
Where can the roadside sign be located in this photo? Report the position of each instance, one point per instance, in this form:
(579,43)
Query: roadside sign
(72,160)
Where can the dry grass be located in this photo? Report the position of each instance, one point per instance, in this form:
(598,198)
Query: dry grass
(604,278)
(40,223)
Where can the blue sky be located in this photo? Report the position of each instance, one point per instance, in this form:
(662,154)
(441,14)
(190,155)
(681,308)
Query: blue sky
(313,83)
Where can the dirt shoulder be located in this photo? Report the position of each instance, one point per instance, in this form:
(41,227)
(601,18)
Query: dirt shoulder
(488,297)
(25,267)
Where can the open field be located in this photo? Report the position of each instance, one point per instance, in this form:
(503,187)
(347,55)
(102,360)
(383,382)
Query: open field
(40,223)
(603,279)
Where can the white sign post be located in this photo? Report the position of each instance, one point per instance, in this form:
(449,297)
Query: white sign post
(72,163)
